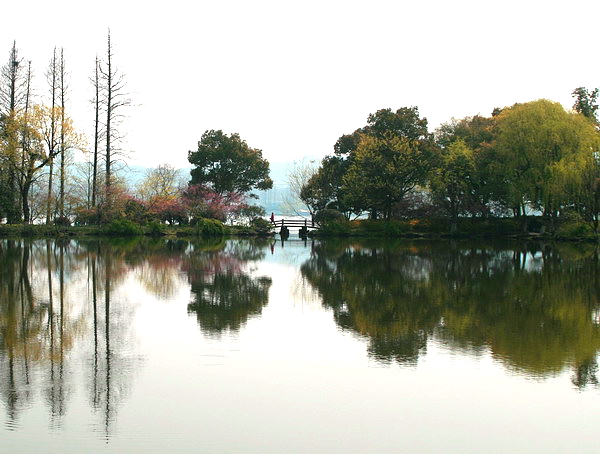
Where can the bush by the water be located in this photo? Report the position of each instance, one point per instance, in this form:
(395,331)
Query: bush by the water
(210,227)
(574,229)
(155,228)
(328,215)
(261,226)
(340,227)
(382,228)
(122,227)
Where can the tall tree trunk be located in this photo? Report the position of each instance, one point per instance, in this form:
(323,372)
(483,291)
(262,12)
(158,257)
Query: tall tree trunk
(51,146)
(26,175)
(61,197)
(96,132)
(109,107)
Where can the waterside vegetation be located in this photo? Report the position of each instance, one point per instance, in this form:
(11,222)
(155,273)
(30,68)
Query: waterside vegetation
(528,169)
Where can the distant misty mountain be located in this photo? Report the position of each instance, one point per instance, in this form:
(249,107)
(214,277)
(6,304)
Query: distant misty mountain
(135,173)
(278,200)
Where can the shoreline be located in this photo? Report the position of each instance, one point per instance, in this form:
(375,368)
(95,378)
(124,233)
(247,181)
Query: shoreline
(374,229)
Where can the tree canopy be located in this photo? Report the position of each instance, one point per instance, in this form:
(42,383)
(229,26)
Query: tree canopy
(376,166)
(227,164)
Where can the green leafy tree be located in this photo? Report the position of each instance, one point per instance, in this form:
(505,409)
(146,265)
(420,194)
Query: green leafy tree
(340,181)
(586,102)
(325,188)
(227,164)
(531,139)
(384,170)
(451,180)
(488,191)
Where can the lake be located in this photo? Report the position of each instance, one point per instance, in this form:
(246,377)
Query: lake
(264,346)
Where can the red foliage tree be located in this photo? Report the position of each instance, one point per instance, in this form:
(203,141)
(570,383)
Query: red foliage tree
(203,202)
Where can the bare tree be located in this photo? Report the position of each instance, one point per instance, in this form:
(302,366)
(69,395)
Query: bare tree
(12,98)
(115,98)
(164,181)
(298,174)
(63,90)
(52,75)
(97,132)
(13,83)
(26,168)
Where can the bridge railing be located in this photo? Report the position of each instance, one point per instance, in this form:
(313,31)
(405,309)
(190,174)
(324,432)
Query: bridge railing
(308,224)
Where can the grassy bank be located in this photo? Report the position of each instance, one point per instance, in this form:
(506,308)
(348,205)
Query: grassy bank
(121,228)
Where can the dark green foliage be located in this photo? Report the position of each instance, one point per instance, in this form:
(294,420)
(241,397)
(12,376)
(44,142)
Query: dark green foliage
(383,228)
(574,229)
(373,168)
(586,102)
(327,216)
(122,227)
(405,122)
(210,227)
(340,227)
(155,228)
(136,211)
(324,189)
(227,164)
(332,222)
(261,226)
(62,221)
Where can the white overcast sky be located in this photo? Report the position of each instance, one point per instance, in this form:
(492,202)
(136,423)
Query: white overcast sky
(291,77)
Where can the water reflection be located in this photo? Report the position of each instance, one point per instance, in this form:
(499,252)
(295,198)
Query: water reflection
(61,301)
(532,307)
(45,321)
(68,306)
(225,293)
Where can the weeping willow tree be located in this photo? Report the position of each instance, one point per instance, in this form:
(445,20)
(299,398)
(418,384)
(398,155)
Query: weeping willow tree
(548,158)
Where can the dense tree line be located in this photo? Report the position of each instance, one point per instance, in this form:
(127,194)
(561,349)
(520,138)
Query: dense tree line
(530,158)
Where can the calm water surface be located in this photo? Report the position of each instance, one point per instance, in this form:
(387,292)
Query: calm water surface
(298,347)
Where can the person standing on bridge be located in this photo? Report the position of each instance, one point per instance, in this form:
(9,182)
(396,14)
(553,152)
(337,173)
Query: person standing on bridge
(272,218)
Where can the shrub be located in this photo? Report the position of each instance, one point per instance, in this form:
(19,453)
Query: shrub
(122,227)
(209,227)
(336,228)
(261,226)
(574,229)
(328,215)
(383,228)
(155,228)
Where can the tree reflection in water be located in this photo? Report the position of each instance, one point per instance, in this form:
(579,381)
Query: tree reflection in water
(113,359)
(44,319)
(76,303)
(532,307)
(225,294)
(38,325)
